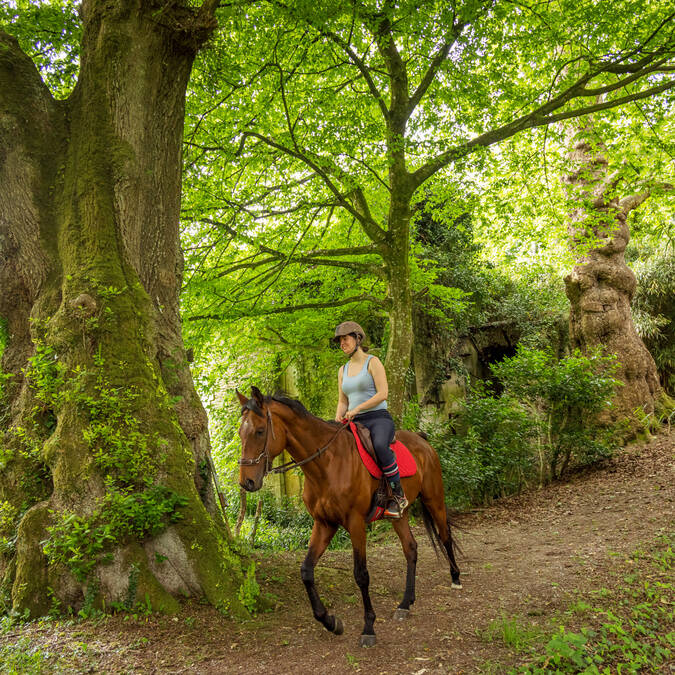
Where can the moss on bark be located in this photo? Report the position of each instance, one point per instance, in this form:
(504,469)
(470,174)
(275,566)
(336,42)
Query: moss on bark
(100,395)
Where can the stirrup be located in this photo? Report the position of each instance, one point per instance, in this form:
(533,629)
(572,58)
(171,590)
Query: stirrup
(400,502)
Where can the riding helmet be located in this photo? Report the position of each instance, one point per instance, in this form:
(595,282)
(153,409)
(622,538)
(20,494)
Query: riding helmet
(349,328)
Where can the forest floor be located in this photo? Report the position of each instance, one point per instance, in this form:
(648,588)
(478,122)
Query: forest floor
(567,554)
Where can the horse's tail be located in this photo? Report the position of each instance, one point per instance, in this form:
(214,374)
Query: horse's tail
(446,548)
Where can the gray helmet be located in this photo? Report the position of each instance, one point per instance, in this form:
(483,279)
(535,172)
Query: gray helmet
(347,328)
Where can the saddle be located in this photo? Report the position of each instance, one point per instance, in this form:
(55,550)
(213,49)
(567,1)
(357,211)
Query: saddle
(406,467)
(406,462)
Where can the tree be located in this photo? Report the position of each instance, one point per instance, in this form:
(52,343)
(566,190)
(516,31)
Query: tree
(601,286)
(341,113)
(105,492)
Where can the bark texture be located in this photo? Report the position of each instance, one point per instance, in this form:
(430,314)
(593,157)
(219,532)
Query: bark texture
(601,285)
(103,432)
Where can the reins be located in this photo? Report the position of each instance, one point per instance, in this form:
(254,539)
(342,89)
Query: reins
(288,465)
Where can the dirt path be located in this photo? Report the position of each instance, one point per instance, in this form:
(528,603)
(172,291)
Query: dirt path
(522,556)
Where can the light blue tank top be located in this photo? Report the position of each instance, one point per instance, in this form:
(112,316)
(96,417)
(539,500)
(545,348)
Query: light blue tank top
(360,387)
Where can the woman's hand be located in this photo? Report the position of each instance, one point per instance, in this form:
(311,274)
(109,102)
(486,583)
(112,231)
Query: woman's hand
(349,415)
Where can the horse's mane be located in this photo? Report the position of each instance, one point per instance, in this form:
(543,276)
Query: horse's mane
(296,406)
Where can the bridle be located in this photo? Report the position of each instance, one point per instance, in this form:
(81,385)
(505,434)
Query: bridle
(265,453)
(283,468)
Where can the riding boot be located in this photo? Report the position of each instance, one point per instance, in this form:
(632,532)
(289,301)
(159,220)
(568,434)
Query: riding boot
(397,503)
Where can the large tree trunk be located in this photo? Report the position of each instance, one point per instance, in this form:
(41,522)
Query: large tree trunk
(601,285)
(103,476)
(399,300)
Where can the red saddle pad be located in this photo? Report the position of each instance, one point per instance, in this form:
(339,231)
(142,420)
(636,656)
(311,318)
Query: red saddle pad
(404,459)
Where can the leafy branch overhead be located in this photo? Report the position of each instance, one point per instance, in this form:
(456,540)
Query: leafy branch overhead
(326,128)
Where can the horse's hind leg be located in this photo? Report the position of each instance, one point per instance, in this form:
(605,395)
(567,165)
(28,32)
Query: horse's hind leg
(322,533)
(436,509)
(402,528)
(357,532)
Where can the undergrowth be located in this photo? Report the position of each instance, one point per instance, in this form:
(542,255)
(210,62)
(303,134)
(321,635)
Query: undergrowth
(628,628)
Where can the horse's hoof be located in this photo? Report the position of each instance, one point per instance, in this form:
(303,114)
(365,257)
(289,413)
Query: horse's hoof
(368,640)
(338,628)
(401,614)
(454,585)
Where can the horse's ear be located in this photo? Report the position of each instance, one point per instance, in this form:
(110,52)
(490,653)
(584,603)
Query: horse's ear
(257,396)
(242,399)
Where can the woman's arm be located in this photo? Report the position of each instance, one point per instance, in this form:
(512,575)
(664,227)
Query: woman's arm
(343,401)
(376,369)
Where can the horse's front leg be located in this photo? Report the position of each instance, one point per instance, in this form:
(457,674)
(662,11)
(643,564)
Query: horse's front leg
(409,545)
(357,532)
(322,533)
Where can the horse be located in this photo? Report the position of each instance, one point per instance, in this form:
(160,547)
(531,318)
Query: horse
(338,491)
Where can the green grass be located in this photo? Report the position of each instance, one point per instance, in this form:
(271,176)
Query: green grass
(626,629)
(514,633)
(21,658)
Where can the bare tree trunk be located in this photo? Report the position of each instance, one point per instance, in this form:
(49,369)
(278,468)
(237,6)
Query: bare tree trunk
(106,438)
(601,285)
(243,496)
(256,521)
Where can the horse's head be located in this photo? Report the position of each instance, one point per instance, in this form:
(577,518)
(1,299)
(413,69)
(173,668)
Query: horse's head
(261,440)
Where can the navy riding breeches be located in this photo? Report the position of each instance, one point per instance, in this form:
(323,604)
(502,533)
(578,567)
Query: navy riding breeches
(381,427)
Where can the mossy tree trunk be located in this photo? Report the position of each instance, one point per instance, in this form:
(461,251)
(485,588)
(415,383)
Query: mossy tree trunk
(601,285)
(400,310)
(104,487)
(395,247)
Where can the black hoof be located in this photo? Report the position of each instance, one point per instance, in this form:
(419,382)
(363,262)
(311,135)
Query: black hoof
(368,641)
(338,628)
(401,614)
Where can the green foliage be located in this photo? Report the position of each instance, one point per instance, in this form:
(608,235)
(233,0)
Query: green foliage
(249,591)
(49,31)
(490,455)
(47,376)
(653,306)
(129,458)
(512,632)
(80,543)
(543,422)
(284,523)
(532,299)
(22,657)
(292,157)
(626,629)
(9,517)
(563,398)
(633,639)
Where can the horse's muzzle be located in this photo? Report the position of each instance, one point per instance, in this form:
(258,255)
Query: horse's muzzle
(249,485)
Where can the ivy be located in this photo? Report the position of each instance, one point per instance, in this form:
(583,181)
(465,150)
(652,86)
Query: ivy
(82,543)
(127,456)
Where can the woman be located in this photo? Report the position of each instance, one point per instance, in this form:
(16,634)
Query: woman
(362,390)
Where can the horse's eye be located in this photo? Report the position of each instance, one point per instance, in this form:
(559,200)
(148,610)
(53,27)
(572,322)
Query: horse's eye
(259,432)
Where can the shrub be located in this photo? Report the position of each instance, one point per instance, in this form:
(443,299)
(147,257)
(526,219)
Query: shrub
(544,422)
(563,399)
(492,456)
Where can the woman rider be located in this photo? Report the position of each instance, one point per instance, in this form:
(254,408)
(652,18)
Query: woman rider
(363,389)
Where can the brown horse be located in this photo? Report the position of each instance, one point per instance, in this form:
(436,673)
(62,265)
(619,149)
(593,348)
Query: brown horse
(339,490)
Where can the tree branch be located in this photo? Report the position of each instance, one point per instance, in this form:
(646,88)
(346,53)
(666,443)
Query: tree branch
(33,129)
(396,68)
(537,118)
(353,56)
(431,72)
(294,308)
(372,229)
(628,204)
(326,252)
